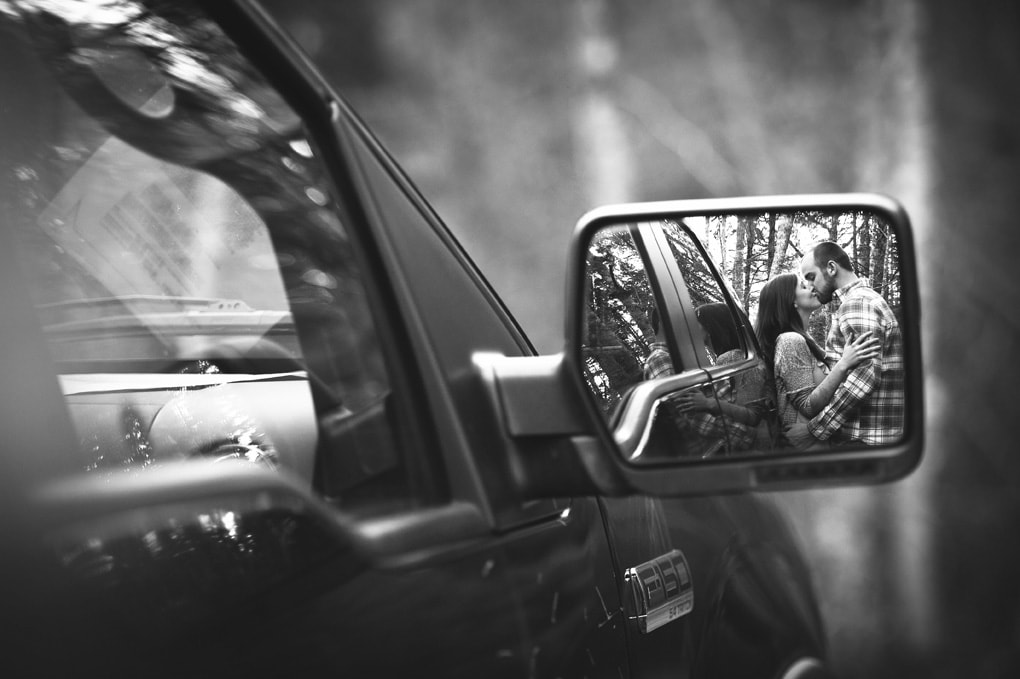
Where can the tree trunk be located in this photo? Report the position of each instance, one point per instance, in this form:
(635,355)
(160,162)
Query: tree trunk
(720,238)
(785,232)
(864,248)
(603,149)
(737,273)
(878,260)
(770,251)
(751,228)
(853,236)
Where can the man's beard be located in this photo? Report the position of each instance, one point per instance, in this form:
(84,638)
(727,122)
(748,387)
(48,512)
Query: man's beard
(828,288)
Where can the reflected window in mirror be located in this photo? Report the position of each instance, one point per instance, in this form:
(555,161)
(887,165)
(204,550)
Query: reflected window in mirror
(744,405)
(623,336)
(718,340)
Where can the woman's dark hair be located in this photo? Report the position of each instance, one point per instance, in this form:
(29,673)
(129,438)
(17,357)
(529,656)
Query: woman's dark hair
(717,320)
(777,314)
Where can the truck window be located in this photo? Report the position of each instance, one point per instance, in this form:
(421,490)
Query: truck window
(198,292)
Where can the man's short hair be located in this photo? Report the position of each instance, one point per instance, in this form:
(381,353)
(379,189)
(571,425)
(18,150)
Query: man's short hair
(827,251)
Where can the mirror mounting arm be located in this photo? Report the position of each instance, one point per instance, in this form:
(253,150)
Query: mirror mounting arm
(536,395)
(552,449)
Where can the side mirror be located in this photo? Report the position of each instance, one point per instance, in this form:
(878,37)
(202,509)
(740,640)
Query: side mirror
(703,353)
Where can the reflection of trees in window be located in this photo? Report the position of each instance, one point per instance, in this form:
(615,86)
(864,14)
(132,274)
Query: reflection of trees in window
(751,249)
(617,331)
(701,283)
(222,120)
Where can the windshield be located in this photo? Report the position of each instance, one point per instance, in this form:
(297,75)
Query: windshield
(150,261)
(178,233)
(136,260)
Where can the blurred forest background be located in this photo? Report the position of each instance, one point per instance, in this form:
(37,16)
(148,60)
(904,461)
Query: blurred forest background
(514,118)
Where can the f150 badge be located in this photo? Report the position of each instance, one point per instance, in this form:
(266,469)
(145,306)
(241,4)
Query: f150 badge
(661,591)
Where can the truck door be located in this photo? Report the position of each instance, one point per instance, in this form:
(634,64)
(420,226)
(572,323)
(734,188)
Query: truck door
(724,345)
(230,269)
(553,567)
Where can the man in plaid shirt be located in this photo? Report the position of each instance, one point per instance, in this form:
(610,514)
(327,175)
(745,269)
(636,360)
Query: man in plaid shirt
(869,406)
(658,363)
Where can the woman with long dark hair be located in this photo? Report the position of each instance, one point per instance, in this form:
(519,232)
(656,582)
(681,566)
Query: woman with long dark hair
(805,380)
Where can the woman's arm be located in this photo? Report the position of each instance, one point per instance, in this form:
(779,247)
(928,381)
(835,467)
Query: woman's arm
(740,413)
(696,402)
(822,394)
(860,350)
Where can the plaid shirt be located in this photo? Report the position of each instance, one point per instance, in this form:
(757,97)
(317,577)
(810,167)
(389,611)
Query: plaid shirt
(869,406)
(658,362)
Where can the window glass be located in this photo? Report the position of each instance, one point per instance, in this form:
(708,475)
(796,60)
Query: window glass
(197,290)
(625,343)
(747,396)
(719,341)
(623,339)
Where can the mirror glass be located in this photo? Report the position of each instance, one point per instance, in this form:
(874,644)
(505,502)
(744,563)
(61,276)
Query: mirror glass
(733,335)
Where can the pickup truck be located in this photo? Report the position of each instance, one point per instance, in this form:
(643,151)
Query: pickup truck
(264,417)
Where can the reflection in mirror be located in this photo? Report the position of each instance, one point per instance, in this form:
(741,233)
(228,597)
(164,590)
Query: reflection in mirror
(131,77)
(199,295)
(680,431)
(629,337)
(763,333)
(622,338)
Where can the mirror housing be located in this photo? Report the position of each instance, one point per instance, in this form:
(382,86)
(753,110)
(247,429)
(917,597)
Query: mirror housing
(609,444)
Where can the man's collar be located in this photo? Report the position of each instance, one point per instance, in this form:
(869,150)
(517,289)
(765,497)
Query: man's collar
(845,290)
